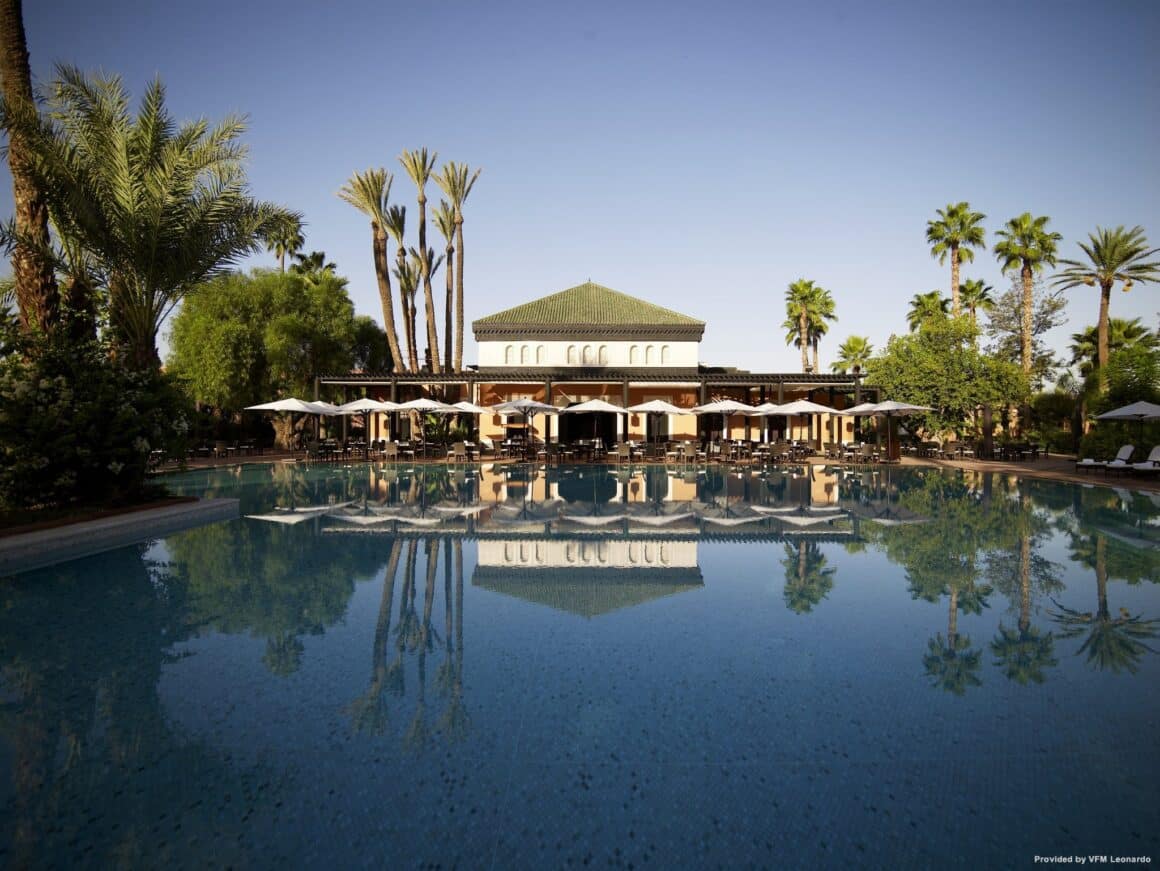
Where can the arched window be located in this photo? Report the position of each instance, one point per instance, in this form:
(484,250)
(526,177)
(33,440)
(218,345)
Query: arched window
(540,355)
(509,355)
(634,356)
(664,354)
(587,355)
(523,355)
(648,355)
(603,355)
(571,355)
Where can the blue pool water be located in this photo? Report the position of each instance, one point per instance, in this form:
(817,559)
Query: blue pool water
(520,667)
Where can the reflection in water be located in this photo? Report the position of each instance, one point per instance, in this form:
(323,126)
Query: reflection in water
(645,630)
(93,754)
(1111,643)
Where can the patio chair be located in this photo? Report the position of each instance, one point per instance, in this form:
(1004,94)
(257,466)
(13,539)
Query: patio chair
(1149,465)
(458,453)
(1120,461)
(391,452)
(869,453)
(623,453)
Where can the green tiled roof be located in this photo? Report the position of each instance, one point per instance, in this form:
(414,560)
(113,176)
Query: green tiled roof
(592,305)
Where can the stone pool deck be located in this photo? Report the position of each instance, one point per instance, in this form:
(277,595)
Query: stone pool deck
(25,551)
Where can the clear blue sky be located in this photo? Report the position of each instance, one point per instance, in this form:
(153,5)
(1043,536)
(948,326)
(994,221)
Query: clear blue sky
(701,156)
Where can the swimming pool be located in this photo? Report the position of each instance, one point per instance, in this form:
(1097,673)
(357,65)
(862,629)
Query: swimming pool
(519,666)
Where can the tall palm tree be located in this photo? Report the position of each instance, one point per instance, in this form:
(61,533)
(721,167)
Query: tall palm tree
(456,181)
(285,238)
(396,222)
(956,230)
(444,217)
(853,353)
(822,315)
(161,208)
(433,263)
(802,301)
(419,166)
(369,192)
(975,296)
(1027,246)
(1112,255)
(36,293)
(924,306)
(408,276)
(1121,334)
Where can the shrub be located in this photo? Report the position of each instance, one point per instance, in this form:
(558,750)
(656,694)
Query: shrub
(77,427)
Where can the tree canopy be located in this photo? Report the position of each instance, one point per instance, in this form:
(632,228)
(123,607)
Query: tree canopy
(940,366)
(243,339)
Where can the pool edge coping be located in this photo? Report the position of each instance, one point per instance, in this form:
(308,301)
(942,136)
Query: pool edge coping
(41,548)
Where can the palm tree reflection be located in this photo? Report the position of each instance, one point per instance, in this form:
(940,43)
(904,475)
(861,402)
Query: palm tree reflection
(415,639)
(808,580)
(1112,643)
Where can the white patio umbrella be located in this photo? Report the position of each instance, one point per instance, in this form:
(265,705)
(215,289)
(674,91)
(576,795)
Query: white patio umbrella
(425,405)
(596,406)
(292,404)
(1136,411)
(473,409)
(799,406)
(890,409)
(366,404)
(658,406)
(526,407)
(865,409)
(724,407)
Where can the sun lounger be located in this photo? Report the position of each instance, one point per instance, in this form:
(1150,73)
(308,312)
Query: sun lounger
(1119,462)
(1151,464)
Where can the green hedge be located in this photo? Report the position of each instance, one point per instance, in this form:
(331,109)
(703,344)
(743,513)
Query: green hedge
(77,427)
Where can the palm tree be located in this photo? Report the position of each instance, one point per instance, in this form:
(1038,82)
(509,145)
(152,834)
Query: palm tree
(805,304)
(1027,246)
(37,298)
(1112,255)
(853,353)
(975,296)
(368,192)
(433,263)
(312,265)
(1121,334)
(160,208)
(396,221)
(924,306)
(419,166)
(285,238)
(954,233)
(456,181)
(408,276)
(444,217)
